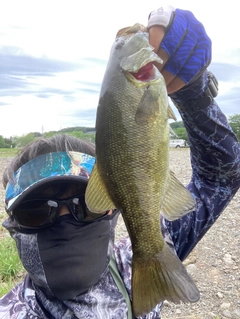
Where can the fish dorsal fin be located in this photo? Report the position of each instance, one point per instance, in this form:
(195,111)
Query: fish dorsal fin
(96,196)
(178,201)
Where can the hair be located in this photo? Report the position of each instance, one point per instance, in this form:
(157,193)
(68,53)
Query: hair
(57,143)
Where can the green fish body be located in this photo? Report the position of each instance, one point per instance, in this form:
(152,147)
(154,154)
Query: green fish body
(132,173)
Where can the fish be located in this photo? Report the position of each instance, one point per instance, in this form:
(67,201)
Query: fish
(131,172)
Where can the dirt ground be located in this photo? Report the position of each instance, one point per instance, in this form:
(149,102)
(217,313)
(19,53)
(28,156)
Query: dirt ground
(214,264)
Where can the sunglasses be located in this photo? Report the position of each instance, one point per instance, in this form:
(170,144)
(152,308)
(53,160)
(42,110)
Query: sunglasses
(40,213)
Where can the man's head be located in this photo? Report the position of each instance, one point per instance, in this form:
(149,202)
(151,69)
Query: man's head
(57,143)
(53,168)
(64,248)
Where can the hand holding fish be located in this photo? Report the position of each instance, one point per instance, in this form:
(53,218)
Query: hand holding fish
(181,41)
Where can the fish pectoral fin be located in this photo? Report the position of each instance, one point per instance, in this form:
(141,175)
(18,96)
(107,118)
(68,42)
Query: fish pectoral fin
(178,201)
(171,114)
(160,277)
(147,109)
(96,197)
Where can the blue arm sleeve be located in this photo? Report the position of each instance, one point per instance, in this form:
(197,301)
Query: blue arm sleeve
(215,159)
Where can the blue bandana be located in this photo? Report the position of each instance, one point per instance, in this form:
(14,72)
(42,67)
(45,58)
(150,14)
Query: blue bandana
(65,166)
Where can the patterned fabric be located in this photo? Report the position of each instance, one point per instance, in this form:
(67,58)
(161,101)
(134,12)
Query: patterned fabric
(187,45)
(190,91)
(215,159)
(61,164)
(102,301)
(215,156)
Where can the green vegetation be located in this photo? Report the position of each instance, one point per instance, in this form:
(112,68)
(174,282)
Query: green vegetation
(179,130)
(79,134)
(234,122)
(8,152)
(6,142)
(85,133)
(10,266)
(88,133)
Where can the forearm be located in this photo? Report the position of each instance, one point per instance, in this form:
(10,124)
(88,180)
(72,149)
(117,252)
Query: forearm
(214,147)
(215,158)
(215,152)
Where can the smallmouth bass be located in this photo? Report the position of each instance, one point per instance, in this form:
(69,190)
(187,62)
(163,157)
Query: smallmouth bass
(132,173)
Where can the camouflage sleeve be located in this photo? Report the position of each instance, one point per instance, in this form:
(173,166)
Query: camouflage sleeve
(215,159)
(11,304)
(20,303)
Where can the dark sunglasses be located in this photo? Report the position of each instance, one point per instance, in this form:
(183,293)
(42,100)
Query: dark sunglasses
(40,213)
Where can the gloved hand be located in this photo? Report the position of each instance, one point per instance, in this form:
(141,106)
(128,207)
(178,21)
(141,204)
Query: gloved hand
(182,43)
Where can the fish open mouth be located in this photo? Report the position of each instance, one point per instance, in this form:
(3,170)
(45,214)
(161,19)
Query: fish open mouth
(146,73)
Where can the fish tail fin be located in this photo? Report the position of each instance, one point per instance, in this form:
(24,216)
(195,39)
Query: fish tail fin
(160,278)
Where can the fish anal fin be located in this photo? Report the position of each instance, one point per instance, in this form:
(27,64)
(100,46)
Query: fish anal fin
(96,197)
(160,278)
(177,201)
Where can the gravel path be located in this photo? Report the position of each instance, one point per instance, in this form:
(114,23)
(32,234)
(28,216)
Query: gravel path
(214,264)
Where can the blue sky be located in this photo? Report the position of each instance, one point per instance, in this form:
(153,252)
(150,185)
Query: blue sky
(53,56)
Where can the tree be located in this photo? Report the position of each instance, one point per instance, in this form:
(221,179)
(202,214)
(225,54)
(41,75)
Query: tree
(25,139)
(2,142)
(84,136)
(177,124)
(179,129)
(78,134)
(234,122)
(181,133)
(9,142)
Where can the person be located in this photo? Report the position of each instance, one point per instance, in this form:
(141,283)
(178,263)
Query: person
(74,268)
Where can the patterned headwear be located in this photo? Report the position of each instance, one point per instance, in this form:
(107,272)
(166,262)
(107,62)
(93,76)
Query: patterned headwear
(62,166)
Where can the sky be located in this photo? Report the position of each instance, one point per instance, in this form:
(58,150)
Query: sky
(53,56)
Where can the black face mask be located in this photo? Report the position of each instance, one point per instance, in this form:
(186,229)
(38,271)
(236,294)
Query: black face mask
(72,256)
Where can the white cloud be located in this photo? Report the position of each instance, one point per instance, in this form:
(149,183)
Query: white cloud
(82,33)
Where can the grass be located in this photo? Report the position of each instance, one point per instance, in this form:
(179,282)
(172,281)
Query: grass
(6,152)
(11,268)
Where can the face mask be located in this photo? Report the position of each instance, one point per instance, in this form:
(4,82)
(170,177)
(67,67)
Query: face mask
(67,258)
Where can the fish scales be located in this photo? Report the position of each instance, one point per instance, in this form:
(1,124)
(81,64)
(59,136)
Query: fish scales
(132,173)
